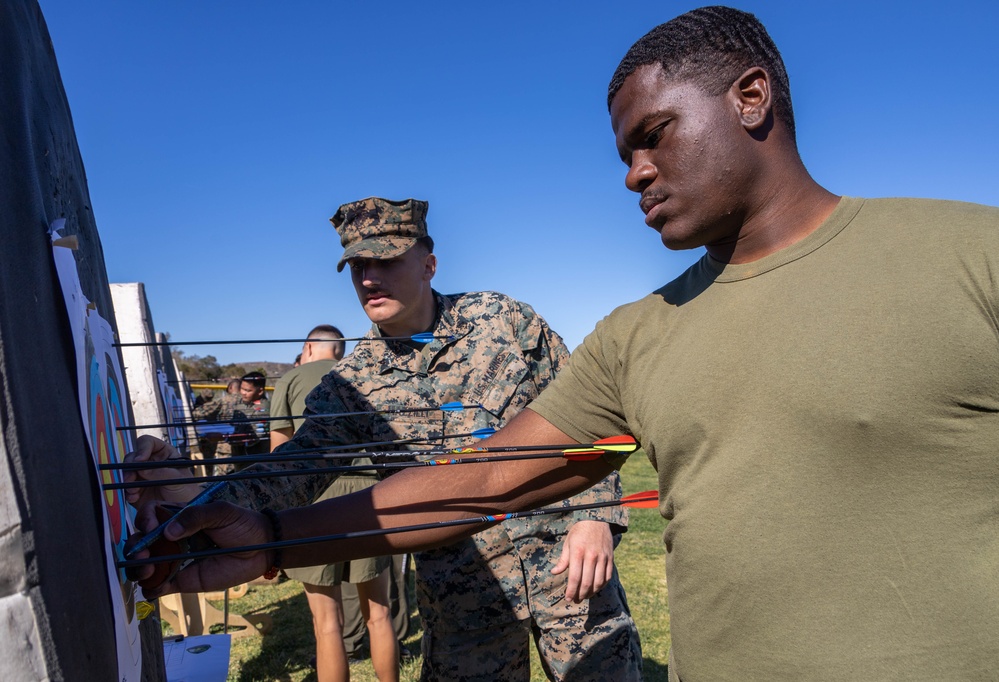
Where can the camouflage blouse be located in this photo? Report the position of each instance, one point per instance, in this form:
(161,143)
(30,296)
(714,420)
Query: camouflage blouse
(492,354)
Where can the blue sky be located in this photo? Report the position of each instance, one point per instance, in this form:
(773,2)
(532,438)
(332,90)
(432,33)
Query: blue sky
(219,137)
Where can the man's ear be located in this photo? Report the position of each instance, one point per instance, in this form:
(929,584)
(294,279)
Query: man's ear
(431,267)
(752,97)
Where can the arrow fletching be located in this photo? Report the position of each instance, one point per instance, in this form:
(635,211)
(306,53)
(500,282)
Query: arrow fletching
(646,500)
(626,444)
(623,444)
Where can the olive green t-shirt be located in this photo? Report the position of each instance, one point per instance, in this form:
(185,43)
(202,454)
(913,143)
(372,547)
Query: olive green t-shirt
(292,389)
(290,393)
(825,426)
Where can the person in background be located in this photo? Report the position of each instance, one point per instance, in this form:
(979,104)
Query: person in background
(320,353)
(239,409)
(212,407)
(250,436)
(322,584)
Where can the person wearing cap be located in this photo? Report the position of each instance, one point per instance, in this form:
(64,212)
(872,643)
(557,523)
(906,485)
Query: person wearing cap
(480,599)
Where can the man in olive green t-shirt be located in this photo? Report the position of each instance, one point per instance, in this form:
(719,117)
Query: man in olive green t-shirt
(323,348)
(819,394)
(827,454)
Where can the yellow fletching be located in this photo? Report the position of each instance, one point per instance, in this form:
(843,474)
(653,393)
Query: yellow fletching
(143,609)
(583,451)
(628,448)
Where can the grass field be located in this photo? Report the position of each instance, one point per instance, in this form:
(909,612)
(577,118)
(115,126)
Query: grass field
(283,654)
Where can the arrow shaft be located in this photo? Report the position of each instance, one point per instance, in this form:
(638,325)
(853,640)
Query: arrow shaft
(290,455)
(332,415)
(378,466)
(488,518)
(328,454)
(216,380)
(229,342)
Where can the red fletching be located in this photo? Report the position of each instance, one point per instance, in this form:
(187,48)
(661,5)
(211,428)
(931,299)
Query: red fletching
(647,500)
(616,440)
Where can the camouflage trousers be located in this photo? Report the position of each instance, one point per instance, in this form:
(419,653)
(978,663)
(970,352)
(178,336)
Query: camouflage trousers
(482,600)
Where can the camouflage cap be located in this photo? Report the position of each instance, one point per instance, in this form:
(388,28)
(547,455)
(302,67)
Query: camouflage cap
(379,228)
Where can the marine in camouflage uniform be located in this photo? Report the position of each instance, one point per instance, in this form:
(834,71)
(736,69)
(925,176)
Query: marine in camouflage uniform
(217,408)
(206,446)
(246,437)
(482,598)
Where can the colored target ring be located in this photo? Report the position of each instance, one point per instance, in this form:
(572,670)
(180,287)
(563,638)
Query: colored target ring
(100,436)
(120,439)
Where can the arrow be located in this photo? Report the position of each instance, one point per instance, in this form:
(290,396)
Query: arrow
(446,407)
(574,451)
(289,455)
(578,456)
(424,337)
(644,500)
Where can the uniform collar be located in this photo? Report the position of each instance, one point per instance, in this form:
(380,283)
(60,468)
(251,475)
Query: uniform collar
(449,323)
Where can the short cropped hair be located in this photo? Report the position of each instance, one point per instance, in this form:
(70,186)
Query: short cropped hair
(710,47)
(327,332)
(255,379)
(426,242)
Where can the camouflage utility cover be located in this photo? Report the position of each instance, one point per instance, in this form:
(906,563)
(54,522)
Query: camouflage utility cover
(379,228)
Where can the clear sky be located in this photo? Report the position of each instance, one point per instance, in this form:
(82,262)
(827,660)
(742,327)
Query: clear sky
(219,137)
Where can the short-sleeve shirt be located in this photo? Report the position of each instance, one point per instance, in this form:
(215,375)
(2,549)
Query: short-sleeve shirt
(825,425)
(291,390)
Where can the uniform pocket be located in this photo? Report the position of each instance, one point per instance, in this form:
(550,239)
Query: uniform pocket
(504,382)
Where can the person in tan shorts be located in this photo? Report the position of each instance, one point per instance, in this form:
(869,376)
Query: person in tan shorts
(322,583)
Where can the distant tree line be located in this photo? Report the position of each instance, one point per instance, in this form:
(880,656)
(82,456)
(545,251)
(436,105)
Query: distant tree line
(207,367)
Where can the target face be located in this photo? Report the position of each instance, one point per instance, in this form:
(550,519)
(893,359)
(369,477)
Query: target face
(102,435)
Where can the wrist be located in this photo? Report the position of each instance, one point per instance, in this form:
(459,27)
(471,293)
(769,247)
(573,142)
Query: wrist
(275,555)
